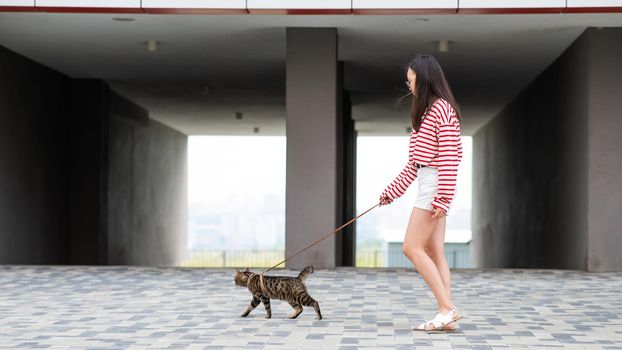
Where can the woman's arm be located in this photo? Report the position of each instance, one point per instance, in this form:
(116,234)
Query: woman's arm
(448,159)
(399,186)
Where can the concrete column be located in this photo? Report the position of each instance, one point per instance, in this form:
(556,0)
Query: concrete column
(604,145)
(312,145)
(88,200)
(346,189)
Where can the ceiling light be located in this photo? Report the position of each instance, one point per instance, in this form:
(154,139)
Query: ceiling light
(417,20)
(205,90)
(152,45)
(443,46)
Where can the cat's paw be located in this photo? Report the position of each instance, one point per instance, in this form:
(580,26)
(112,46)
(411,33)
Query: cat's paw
(244,314)
(318,318)
(268,316)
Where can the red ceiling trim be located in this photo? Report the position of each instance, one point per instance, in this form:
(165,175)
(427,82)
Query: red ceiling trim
(593,10)
(309,11)
(18,9)
(55,9)
(511,11)
(404,11)
(193,11)
(300,11)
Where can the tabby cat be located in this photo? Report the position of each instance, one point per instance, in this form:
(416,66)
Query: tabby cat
(290,289)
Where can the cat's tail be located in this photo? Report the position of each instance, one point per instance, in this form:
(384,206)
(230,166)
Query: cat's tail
(305,272)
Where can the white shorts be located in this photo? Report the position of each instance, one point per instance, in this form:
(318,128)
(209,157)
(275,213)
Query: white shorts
(428,187)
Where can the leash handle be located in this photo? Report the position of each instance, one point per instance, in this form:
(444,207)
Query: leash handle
(325,236)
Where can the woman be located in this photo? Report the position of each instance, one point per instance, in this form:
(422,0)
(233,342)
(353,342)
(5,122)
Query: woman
(435,152)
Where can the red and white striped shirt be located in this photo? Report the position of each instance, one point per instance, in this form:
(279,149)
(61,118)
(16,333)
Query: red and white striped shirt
(437,145)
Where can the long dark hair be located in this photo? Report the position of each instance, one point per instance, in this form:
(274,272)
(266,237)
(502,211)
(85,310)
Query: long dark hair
(430,84)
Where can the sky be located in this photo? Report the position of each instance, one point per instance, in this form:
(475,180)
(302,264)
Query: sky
(247,165)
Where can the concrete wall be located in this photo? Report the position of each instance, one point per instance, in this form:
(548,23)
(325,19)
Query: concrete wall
(81,180)
(34,143)
(544,168)
(147,214)
(605,150)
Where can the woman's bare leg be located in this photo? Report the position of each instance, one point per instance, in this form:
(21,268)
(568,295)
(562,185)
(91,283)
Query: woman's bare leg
(436,250)
(420,229)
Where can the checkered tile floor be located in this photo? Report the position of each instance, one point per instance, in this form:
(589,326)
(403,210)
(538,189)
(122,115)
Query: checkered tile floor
(136,307)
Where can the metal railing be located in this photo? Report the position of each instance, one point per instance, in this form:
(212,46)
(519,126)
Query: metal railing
(233,258)
(456,258)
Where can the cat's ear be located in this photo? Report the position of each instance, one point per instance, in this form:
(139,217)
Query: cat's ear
(236,270)
(247,270)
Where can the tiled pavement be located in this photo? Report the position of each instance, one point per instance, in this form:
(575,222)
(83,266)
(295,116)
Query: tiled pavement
(168,308)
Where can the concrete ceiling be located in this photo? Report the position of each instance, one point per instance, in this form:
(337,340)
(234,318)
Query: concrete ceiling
(209,67)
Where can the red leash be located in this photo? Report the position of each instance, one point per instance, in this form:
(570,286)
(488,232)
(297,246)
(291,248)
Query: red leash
(324,237)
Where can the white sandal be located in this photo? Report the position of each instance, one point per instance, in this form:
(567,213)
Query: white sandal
(421,328)
(439,322)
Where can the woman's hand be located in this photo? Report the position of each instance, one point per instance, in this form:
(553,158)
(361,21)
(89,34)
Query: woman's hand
(384,200)
(438,213)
